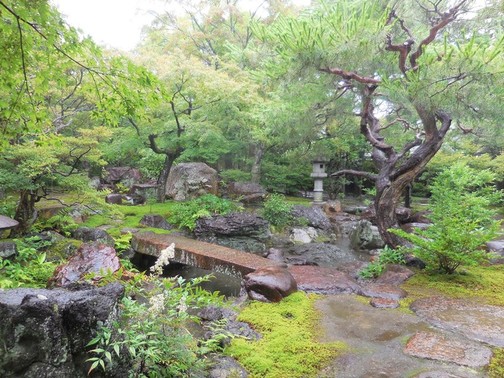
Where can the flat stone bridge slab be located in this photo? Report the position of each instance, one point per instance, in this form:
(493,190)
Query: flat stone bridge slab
(201,254)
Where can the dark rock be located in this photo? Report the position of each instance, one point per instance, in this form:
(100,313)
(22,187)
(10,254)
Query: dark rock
(384,303)
(442,347)
(403,214)
(314,216)
(247,192)
(413,261)
(190,180)
(90,258)
(114,198)
(355,209)
(473,320)
(243,231)
(365,236)
(226,367)
(322,254)
(8,250)
(394,275)
(411,227)
(134,199)
(320,280)
(269,284)
(44,332)
(87,234)
(419,217)
(125,175)
(385,291)
(155,221)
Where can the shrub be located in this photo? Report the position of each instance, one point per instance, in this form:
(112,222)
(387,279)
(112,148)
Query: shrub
(387,256)
(185,214)
(277,211)
(151,337)
(462,218)
(234,175)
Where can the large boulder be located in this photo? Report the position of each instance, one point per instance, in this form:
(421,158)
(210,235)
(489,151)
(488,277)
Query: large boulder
(8,250)
(243,231)
(92,258)
(314,216)
(124,175)
(190,180)
(89,234)
(321,254)
(270,284)
(247,192)
(365,236)
(44,332)
(155,221)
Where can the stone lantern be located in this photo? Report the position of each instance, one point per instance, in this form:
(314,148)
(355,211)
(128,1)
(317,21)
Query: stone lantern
(318,174)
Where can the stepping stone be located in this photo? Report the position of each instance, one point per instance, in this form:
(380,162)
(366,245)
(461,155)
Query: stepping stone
(436,346)
(317,279)
(383,291)
(384,303)
(473,320)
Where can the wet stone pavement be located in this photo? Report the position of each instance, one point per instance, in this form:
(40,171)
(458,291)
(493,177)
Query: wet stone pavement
(445,338)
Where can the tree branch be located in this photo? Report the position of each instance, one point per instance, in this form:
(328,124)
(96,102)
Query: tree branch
(350,75)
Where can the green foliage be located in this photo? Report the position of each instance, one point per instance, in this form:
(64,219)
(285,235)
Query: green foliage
(387,256)
(29,268)
(151,336)
(462,218)
(496,367)
(288,346)
(185,214)
(277,211)
(234,175)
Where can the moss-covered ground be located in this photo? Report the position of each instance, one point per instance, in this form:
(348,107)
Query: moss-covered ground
(288,347)
(126,216)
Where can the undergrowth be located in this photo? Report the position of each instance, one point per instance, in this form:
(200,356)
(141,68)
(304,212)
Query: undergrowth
(288,347)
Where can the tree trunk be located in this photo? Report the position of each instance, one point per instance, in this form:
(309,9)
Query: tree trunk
(163,177)
(256,166)
(25,211)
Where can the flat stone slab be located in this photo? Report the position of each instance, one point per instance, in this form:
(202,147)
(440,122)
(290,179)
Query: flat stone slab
(384,303)
(435,346)
(374,290)
(201,254)
(473,320)
(321,280)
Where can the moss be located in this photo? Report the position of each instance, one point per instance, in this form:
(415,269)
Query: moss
(131,216)
(483,282)
(288,347)
(496,367)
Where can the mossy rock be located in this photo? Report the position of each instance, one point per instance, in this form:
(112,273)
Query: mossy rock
(62,249)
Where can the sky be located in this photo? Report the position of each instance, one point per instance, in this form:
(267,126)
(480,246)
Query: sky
(115,23)
(112,23)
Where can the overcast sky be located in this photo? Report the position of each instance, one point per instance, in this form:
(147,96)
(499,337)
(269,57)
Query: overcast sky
(113,23)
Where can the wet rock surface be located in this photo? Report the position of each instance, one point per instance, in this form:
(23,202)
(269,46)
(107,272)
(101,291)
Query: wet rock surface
(92,258)
(88,234)
(155,221)
(375,339)
(242,231)
(314,216)
(44,332)
(191,180)
(448,348)
(471,319)
(270,284)
(321,280)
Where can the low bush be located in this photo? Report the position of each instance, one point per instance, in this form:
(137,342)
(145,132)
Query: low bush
(185,214)
(277,211)
(462,220)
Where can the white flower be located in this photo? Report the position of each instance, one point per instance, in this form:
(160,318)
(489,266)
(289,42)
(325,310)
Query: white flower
(157,303)
(164,259)
(182,307)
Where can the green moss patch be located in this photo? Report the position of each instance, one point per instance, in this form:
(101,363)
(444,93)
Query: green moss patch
(482,282)
(496,367)
(288,347)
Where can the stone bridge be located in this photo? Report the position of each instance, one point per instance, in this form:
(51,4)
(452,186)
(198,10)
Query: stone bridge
(201,254)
